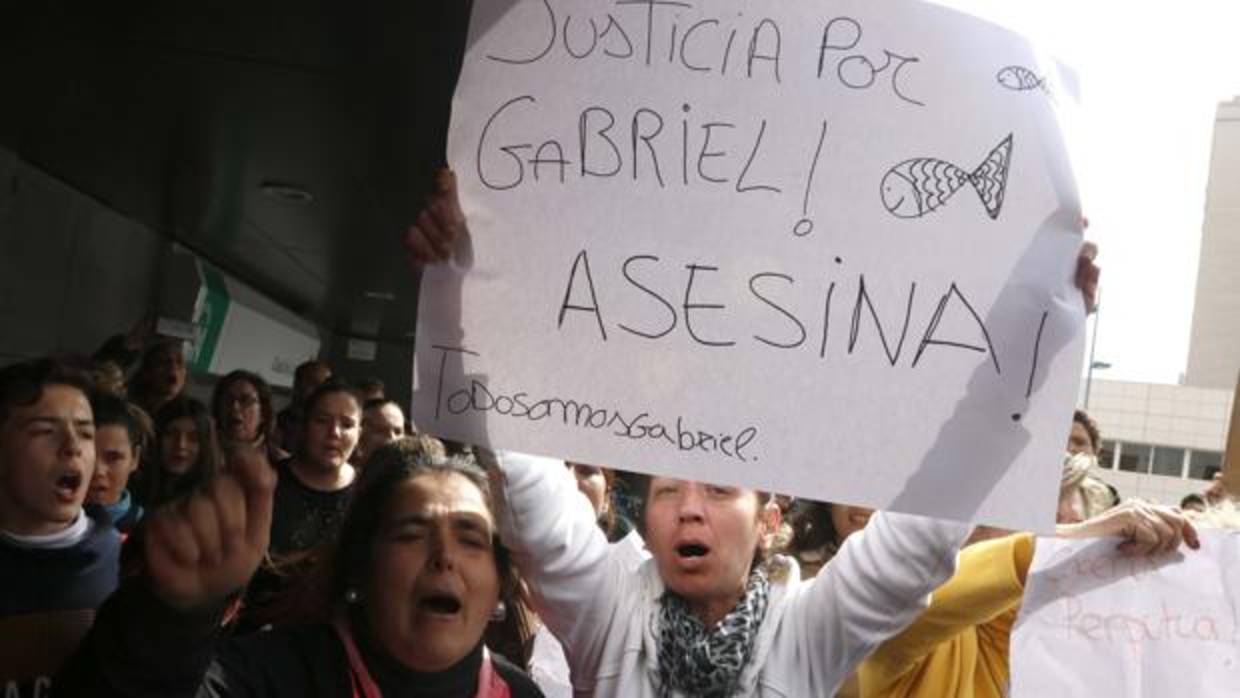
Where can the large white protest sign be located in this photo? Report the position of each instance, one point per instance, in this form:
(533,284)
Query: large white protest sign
(1095,623)
(823,248)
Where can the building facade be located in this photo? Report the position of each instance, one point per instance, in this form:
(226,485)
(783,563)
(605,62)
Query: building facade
(1214,347)
(1161,442)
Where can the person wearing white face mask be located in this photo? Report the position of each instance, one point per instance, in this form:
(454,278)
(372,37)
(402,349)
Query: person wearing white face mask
(1081,495)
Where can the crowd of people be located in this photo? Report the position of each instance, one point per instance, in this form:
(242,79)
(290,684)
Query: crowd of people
(156,545)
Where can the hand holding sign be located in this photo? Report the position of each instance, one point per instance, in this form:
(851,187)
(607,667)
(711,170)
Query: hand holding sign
(1096,621)
(1147,529)
(697,259)
(204,547)
(439,224)
(1087,275)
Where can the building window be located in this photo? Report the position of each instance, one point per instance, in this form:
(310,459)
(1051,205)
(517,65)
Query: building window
(1168,461)
(1200,462)
(1135,458)
(1106,455)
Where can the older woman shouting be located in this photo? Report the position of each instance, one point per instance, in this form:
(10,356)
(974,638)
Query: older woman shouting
(407,593)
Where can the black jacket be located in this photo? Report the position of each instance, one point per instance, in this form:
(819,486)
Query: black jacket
(142,648)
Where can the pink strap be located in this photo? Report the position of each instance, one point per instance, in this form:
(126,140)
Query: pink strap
(490,683)
(363,685)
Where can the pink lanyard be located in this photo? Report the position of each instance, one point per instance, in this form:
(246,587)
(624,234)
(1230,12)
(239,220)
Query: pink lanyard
(490,684)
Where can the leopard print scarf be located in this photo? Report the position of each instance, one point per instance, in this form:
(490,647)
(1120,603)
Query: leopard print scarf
(698,661)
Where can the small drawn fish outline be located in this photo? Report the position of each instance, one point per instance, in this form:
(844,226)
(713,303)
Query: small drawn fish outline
(1018,78)
(917,187)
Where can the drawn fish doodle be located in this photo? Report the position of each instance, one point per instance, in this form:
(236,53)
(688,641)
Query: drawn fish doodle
(1021,79)
(916,187)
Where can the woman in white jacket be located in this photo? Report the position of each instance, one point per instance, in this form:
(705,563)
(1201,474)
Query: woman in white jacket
(710,614)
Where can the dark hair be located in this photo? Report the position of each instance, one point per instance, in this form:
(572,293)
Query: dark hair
(381,402)
(1091,427)
(390,465)
(812,527)
(107,377)
(1192,498)
(267,421)
(111,410)
(421,446)
(369,385)
(303,369)
(609,520)
(329,387)
(344,563)
(140,386)
(22,384)
(160,485)
(1115,498)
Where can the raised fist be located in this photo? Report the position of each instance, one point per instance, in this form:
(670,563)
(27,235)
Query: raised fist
(208,545)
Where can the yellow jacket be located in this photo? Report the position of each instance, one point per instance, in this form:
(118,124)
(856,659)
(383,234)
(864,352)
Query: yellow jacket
(958,648)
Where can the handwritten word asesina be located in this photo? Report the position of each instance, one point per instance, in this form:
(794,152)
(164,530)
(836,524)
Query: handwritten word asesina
(696,303)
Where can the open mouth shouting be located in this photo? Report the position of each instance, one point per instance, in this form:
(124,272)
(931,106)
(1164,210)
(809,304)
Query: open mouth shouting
(692,550)
(692,555)
(69,486)
(440,605)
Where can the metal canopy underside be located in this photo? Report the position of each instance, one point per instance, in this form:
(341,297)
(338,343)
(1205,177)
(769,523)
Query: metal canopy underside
(178,114)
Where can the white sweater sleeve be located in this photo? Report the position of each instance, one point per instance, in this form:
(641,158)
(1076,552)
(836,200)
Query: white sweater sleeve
(563,555)
(878,583)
